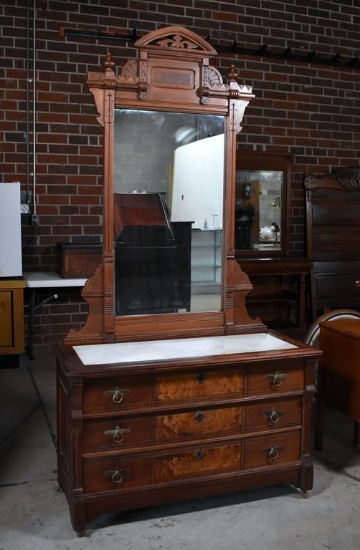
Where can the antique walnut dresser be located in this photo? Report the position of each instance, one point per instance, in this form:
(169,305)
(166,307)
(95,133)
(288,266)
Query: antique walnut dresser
(185,402)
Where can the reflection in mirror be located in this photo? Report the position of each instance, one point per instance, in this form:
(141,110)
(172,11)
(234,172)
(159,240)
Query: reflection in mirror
(168,211)
(258,209)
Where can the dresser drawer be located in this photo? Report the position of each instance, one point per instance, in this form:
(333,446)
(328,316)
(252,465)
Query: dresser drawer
(199,423)
(206,460)
(272,450)
(273,414)
(199,384)
(116,433)
(275,378)
(117,474)
(116,394)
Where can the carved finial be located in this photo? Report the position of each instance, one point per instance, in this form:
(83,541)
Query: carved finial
(233,74)
(109,63)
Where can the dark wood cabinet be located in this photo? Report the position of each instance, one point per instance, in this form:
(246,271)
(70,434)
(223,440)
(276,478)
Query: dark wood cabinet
(279,293)
(333,239)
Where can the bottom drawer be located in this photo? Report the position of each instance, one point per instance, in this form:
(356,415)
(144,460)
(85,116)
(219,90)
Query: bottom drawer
(272,450)
(107,474)
(254,452)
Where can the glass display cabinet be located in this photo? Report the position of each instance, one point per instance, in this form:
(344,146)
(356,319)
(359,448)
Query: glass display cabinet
(171,388)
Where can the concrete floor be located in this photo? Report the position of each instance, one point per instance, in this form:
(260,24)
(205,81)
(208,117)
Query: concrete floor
(34,513)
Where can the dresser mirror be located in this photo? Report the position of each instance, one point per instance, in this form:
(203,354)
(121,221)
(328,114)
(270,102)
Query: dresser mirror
(168,211)
(169,122)
(261,204)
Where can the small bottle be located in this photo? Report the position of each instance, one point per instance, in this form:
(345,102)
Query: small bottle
(205,224)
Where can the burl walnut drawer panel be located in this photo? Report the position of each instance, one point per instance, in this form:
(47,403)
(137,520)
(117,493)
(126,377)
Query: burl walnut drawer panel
(116,433)
(199,384)
(107,474)
(272,450)
(275,378)
(220,459)
(116,394)
(273,414)
(199,423)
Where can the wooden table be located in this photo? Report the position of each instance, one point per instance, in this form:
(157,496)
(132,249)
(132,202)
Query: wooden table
(339,373)
(36,281)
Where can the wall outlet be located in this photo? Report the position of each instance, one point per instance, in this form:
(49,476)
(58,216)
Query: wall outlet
(34,219)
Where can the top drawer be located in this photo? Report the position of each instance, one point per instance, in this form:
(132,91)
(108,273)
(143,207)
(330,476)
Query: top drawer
(199,384)
(116,394)
(276,378)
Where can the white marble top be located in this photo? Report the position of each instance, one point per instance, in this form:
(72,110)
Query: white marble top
(128,352)
(48,280)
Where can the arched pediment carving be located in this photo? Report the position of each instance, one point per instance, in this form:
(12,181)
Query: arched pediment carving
(176,38)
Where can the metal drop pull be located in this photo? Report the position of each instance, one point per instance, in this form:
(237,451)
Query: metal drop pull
(273,415)
(199,454)
(272,452)
(276,378)
(117,394)
(199,416)
(117,434)
(201,378)
(117,475)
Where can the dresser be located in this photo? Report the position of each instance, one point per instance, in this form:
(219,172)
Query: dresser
(147,423)
(160,405)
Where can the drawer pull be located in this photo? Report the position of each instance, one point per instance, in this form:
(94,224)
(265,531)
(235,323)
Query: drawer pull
(276,379)
(117,475)
(199,416)
(201,378)
(117,394)
(272,452)
(273,416)
(199,454)
(117,434)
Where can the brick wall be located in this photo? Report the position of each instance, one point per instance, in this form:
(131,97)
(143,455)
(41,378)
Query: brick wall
(305,104)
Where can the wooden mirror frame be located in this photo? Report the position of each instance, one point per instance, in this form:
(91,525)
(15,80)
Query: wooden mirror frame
(269,161)
(171,73)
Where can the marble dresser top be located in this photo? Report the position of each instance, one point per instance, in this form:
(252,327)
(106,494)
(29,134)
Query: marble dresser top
(159,350)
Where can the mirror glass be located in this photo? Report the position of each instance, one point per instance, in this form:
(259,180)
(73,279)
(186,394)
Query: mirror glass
(168,211)
(258,207)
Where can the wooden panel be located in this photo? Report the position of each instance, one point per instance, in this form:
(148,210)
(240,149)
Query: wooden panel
(115,433)
(273,414)
(6,318)
(12,328)
(116,394)
(198,461)
(199,423)
(199,384)
(272,450)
